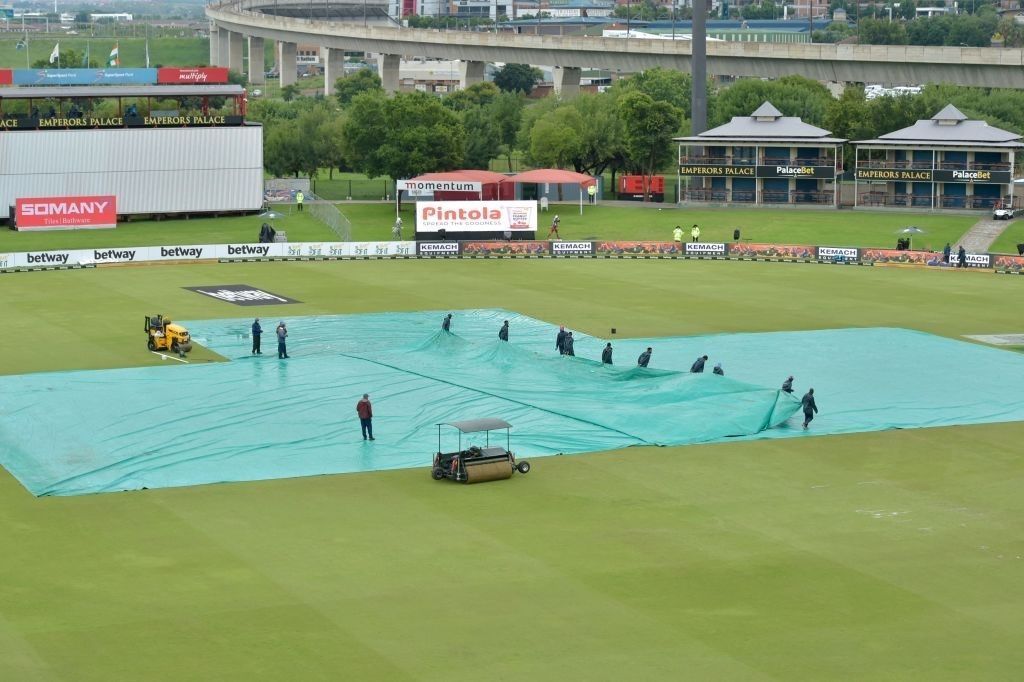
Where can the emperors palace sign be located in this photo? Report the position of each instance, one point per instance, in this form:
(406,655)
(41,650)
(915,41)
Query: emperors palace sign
(775,171)
(927,175)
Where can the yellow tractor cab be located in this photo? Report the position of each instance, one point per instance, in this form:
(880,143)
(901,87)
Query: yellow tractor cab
(162,334)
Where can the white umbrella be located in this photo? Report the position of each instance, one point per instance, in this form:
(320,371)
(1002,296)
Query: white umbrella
(911,230)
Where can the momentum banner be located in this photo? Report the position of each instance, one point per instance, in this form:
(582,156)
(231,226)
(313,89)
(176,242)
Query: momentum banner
(65,213)
(476,216)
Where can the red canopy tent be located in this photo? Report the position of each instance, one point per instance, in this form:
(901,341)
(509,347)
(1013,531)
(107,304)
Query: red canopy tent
(556,176)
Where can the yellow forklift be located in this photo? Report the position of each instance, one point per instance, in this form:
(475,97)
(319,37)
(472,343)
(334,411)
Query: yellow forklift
(162,334)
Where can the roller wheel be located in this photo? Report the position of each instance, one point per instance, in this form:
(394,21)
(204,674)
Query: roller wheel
(523,467)
(436,473)
(150,345)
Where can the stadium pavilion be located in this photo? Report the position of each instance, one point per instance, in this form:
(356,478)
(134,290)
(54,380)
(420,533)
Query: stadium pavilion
(764,158)
(947,161)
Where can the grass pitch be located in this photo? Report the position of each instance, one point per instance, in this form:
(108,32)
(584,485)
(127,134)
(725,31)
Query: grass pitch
(891,555)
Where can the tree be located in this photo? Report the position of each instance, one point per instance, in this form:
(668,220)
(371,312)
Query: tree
(476,95)
(601,143)
(649,126)
(555,138)
(878,32)
(517,78)
(482,143)
(289,92)
(409,134)
(69,59)
(792,95)
(506,112)
(662,85)
(363,80)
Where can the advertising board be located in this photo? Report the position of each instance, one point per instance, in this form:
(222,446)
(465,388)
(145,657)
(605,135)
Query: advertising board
(437,248)
(560,248)
(201,75)
(476,216)
(704,249)
(65,213)
(838,254)
(110,76)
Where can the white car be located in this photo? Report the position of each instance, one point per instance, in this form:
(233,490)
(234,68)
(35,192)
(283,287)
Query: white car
(1003,214)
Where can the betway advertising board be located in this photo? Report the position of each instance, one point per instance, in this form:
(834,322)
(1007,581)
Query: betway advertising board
(65,213)
(476,216)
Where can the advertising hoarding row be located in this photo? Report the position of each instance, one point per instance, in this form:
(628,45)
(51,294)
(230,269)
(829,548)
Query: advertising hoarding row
(449,249)
(938,175)
(777,171)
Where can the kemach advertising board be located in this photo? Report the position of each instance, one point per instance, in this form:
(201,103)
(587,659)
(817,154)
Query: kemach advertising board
(476,216)
(65,213)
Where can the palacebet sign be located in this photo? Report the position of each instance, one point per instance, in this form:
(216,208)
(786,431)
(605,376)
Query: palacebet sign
(927,175)
(776,171)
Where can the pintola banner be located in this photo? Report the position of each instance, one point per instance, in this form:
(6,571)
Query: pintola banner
(476,216)
(65,213)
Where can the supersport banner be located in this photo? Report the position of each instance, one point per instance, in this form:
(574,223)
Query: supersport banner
(65,213)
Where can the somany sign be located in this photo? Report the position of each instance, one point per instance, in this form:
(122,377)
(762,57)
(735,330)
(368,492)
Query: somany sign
(65,213)
(476,216)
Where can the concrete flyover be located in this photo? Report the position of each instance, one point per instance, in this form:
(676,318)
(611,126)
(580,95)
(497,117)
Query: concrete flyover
(887,64)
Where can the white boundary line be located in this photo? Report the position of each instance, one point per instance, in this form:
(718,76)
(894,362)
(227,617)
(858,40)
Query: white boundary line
(168,357)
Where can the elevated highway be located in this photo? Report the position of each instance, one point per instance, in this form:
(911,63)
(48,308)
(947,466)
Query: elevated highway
(351,27)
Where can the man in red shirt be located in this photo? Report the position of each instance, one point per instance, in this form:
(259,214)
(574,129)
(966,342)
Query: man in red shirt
(365,411)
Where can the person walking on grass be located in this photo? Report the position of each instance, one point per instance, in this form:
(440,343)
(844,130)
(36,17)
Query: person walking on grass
(961,257)
(809,406)
(299,198)
(554,228)
(695,233)
(365,411)
(677,236)
(945,253)
(257,331)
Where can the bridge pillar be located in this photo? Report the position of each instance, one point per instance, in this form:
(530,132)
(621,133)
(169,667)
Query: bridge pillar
(334,67)
(567,81)
(257,61)
(214,44)
(470,73)
(286,60)
(223,46)
(387,65)
(235,44)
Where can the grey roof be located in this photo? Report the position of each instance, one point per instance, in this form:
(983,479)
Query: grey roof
(765,110)
(947,127)
(163,91)
(765,122)
(475,425)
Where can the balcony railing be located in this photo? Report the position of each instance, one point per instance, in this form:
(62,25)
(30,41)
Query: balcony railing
(749,196)
(951,201)
(927,165)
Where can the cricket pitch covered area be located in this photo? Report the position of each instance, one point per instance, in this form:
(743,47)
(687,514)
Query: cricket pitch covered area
(257,417)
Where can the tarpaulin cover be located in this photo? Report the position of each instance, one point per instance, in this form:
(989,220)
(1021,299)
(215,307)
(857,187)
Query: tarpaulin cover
(259,417)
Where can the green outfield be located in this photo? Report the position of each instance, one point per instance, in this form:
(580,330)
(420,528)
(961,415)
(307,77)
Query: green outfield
(892,555)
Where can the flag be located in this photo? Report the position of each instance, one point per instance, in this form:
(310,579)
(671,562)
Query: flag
(85,57)
(147,54)
(55,55)
(114,59)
